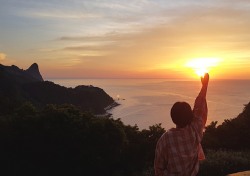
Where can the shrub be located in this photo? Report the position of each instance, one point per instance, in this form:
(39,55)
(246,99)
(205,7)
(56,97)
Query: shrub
(223,162)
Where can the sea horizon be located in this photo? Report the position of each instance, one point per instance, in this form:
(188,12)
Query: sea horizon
(172,79)
(146,102)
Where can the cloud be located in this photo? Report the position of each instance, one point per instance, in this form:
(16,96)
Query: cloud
(55,10)
(60,14)
(91,48)
(211,32)
(110,36)
(140,35)
(2,56)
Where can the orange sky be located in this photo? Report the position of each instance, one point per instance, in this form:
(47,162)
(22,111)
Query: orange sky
(118,39)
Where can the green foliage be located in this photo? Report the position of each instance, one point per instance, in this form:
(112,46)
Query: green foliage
(220,163)
(231,134)
(26,109)
(139,151)
(62,140)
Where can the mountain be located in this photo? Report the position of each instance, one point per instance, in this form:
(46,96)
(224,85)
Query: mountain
(18,86)
(15,74)
(33,71)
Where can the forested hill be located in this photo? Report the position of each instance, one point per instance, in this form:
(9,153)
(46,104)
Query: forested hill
(232,134)
(18,86)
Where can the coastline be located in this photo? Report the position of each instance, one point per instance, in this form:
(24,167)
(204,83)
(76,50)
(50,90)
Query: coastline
(108,108)
(111,106)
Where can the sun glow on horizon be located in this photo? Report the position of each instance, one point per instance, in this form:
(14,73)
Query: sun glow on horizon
(202,65)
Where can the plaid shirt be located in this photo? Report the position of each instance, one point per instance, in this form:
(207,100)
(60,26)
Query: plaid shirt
(178,151)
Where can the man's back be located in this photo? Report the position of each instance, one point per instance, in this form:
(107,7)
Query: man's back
(180,148)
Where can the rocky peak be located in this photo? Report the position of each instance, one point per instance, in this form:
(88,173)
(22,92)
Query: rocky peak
(33,71)
(34,66)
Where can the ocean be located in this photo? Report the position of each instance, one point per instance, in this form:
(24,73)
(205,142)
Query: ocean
(146,102)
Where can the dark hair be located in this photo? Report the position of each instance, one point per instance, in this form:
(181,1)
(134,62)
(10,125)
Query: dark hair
(181,114)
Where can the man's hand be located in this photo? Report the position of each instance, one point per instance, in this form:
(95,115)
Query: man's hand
(205,80)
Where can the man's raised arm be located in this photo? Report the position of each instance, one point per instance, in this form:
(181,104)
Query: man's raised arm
(200,106)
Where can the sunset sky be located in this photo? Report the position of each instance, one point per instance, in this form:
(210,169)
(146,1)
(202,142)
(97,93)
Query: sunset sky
(126,38)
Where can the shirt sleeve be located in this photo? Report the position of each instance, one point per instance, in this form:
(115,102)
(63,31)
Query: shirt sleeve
(160,159)
(200,113)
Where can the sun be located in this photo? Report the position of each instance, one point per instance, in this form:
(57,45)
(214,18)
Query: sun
(201,71)
(202,65)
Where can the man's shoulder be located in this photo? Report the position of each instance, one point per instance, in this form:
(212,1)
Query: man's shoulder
(168,133)
(162,142)
(196,122)
(178,130)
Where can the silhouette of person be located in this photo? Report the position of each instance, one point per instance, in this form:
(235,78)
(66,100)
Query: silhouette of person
(179,150)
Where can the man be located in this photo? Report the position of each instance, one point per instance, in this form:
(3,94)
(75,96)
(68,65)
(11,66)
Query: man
(178,151)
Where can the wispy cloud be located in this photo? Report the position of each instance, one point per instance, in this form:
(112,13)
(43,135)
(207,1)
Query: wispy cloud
(60,14)
(91,48)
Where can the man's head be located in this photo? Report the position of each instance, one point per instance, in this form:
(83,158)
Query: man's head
(181,114)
